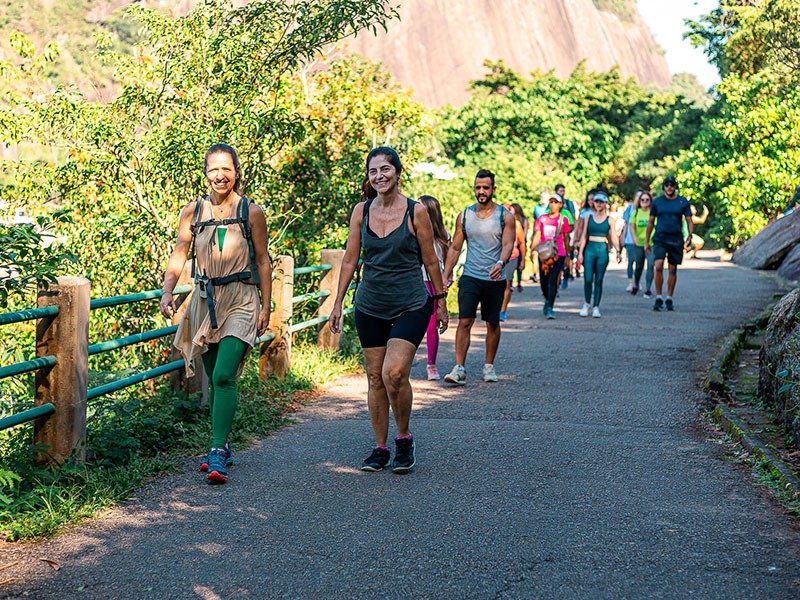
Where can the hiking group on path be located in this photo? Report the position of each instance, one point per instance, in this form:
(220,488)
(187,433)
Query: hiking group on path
(408,263)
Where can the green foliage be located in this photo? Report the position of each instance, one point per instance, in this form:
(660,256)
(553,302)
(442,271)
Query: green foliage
(624,9)
(30,257)
(743,163)
(587,130)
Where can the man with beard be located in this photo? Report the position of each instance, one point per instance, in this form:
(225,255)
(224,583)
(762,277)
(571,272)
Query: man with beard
(489,231)
(667,214)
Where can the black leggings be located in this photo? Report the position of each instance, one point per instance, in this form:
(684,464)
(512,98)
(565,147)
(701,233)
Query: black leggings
(549,282)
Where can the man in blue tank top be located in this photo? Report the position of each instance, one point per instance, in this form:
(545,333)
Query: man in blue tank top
(489,231)
(667,213)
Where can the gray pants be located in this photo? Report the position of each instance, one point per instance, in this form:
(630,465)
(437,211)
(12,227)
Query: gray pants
(640,258)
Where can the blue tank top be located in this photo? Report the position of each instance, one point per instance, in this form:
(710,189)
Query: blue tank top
(391,279)
(593,228)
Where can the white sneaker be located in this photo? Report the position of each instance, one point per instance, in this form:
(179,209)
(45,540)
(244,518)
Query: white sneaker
(585,309)
(457,375)
(489,374)
(596,312)
(629,289)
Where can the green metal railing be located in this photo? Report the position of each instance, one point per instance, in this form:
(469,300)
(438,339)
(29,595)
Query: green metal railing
(114,344)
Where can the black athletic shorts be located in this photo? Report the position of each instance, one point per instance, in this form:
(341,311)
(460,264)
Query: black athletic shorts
(374,332)
(489,294)
(671,249)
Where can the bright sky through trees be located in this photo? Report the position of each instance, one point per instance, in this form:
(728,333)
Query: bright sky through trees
(665,19)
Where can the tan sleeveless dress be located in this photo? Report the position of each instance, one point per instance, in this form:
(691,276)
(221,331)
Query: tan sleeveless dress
(236,304)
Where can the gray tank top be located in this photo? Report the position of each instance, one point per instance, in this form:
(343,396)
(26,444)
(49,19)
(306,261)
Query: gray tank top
(484,241)
(391,279)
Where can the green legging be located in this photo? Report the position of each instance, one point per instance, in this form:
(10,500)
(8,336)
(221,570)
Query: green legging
(221,362)
(595,263)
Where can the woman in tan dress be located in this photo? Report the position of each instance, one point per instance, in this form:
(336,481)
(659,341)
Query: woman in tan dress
(226,235)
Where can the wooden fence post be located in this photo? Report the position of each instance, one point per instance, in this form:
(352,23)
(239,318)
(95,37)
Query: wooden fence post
(178,379)
(326,338)
(65,336)
(275,355)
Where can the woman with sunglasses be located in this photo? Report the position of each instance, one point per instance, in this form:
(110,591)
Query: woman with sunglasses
(638,224)
(598,229)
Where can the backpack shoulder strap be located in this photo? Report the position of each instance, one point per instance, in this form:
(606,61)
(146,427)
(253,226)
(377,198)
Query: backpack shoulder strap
(243,213)
(198,207)
(464,223)
(502,218)
(411,204)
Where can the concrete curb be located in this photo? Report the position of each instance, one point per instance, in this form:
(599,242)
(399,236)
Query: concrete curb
(738,430)
(719,392)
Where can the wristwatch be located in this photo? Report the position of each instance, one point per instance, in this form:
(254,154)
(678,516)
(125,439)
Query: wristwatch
(502,263)
(439,296)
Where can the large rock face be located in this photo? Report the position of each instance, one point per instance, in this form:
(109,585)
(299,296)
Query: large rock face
(779,363)
(768,248)
(439,46)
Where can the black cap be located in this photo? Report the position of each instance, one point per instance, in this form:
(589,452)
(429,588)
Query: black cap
(670,179)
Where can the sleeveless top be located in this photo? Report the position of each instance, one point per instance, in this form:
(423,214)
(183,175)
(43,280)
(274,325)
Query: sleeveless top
(593,228)
(391,278)
(237,303)
(484,242)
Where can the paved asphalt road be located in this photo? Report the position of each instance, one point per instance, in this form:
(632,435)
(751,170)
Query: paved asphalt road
(583,473)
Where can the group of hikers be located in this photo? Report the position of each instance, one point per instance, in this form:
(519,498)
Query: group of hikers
(408,260)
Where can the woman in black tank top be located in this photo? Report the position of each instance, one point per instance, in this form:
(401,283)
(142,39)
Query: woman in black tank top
(394,235)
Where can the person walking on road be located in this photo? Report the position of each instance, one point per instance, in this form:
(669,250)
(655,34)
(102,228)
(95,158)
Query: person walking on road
(638,224)
(392,306)
(517,258)
(441,243)
(627,240)
(225,235)
(568,210)
(598,229)
(551,228)
(489,232)
(519,215)
(666,216)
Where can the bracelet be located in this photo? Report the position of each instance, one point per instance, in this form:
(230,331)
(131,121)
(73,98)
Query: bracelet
(439,296)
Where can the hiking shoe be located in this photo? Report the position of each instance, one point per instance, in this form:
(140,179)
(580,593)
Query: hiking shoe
(648,294)
(584,312)
(457,375)
(376,461)
(658,305)
(489,373)
(634,291)
(227,452)
(669,304)
(596,312)
(433,373)
(404,458)
(217,473)
(502,315)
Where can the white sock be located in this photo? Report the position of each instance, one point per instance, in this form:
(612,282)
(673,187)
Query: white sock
(659,297)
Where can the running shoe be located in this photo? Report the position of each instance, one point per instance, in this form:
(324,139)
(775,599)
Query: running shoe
(489,373)
(227,452)
(584,312)
(502,315)
(596,312)
(550,313)
(519,287)
(634,291)
(669,304)
(546,308)
(629,289)
(648,294)
(658,305)
(564,283)
(457,375)
(404,458)
(376,461)
(433,373)
(217,473)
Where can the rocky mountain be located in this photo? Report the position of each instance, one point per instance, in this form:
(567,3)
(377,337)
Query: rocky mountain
(439,46)
(435,49)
